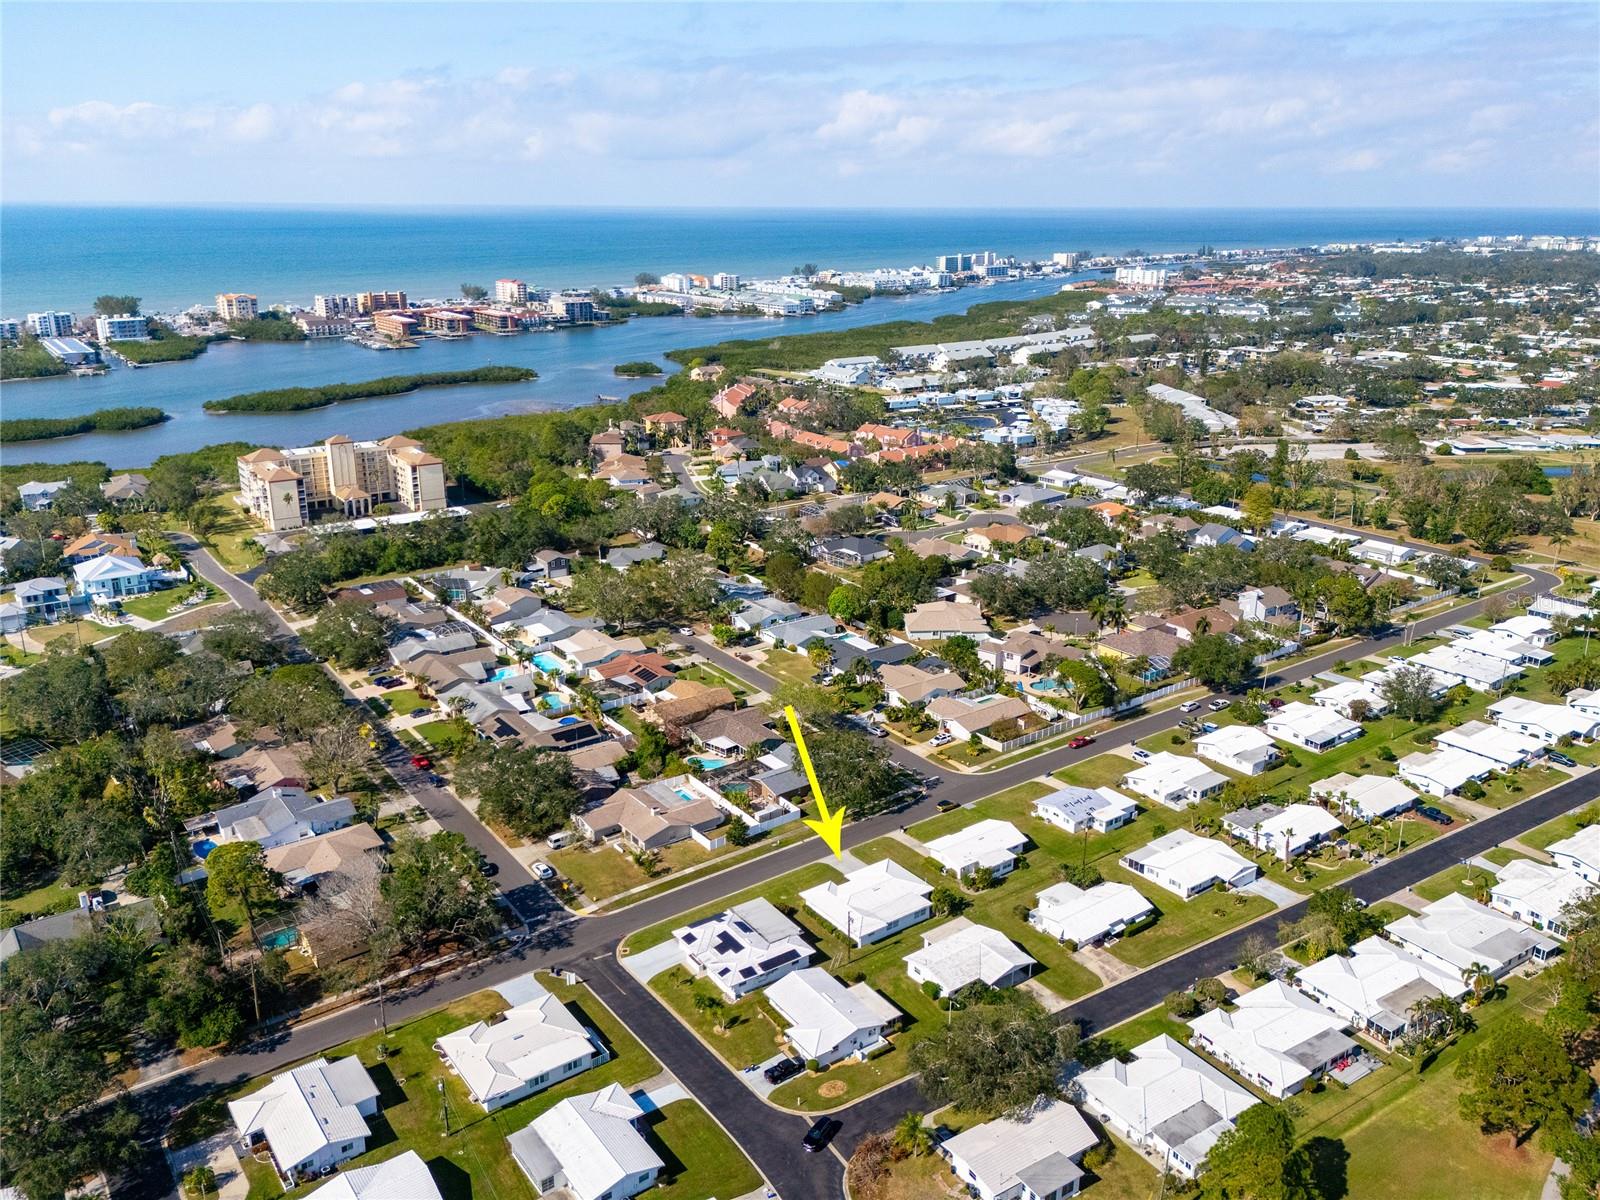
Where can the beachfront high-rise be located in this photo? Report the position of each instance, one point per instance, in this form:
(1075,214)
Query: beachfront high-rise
(50,324)
(510,291)
(283,488)
(236,306)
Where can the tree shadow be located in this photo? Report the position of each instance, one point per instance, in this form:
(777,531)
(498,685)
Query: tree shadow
(672,1165)
(1330,1167)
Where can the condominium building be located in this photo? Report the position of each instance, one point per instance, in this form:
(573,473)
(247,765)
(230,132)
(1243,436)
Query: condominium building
(496,320)
(395,326)
(725,281)
(50,324)
(1143,277)
(510,291)
(446,320)
(282,488)
(314,326)
(123,328)
(236,306)
(371,302)
(577,307)
(336,306)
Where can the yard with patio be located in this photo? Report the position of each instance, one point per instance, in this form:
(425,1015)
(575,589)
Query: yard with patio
(472,1160)
(159,605)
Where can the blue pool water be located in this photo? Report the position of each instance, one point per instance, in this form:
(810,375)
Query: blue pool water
(546,661)
(1044,685)
(567,721)
(204,847)
(279,939)
(503,673)
(707,761)
(554,700)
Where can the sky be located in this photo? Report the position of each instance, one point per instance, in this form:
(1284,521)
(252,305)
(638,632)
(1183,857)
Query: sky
(917,105)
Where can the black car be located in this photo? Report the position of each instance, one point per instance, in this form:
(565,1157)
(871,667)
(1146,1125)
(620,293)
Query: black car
(820,1134)
(784,1068)
(1561,760)
(490,868)
(1437,815)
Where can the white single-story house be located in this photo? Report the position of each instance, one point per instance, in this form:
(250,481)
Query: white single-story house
(1370,797)
(1502,748)
(312,1117)
(1174,780)
(534,1045)
(873,903)
(1537,894)
(1443,771)
(1282,831)
(1240,748)
(1275,1038)
(1457,933)
(1341,697)
(1478,672)
(1579,854)
(1072,914)
(1032,1157)
(590,1145)
(958,953)
(1585,701)
(743,948)
(1186,864)
(1498,646)
(1536,631)
(404,1175)
(828,1021)
(1547,722)
(1077,809)
(1311,727)
(1167,1100)
(1375,987)
(990,843)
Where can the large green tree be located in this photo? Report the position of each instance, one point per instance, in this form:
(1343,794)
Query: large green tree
(350,633)
(437,891)
(531,791)
(994,1059)
(1520,1078)
(64,696)
(1216,660)
(1258,1160)
(239,882)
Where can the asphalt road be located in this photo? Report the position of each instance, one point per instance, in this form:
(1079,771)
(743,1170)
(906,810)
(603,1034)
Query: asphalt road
(557,940)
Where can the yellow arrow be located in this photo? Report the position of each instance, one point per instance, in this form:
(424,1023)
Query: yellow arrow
(830,828)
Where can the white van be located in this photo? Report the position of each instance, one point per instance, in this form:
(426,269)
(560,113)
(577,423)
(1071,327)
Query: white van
(561,840)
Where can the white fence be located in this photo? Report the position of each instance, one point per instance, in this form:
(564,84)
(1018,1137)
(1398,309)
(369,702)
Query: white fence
(1071,722)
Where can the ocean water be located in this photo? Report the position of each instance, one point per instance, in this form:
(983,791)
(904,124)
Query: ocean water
(63,257)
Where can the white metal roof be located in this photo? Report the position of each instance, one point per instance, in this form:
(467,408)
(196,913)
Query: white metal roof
(1004,1153)
(960,952)
(869,899)
(537,1036)
(822,1012)
(1461,932)
(1365,981)
(1082,916)
(306,1109)
(1275,1035)
(989,843)
(593,1138)
(403,1177)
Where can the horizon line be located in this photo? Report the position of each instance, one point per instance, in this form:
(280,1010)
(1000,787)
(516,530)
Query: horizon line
(335,206)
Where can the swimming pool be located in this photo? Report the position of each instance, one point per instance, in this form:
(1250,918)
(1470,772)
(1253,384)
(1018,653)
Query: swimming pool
(548,662)
(1044,685)
(707,761)
(204,847)
(500,673)
(555,701)
(280,938)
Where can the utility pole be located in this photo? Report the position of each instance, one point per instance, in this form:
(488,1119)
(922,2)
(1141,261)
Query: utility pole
(444,1105)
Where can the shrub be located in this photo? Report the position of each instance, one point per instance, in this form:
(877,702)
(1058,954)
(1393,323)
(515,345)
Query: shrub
(1385,754)
(813,1065)
(1472,790)
(930,989)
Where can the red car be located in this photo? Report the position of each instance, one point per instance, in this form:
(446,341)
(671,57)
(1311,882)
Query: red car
(1078,743)
(421,763)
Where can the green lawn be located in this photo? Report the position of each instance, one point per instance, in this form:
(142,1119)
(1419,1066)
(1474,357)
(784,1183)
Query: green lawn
(54,897)
(1181,923)
(472,1161)
(231,539)
(1509,787)
(603,871)
(1014,804)
(789,667)
(1103,770)
(1562,827)
(1469,880)
(752,1030)
(712,677)
(155,605)
(401,701)
(1385,1118)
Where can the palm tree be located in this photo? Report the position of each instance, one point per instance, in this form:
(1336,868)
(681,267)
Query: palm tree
(1109,610)
(1479,978)
(911,1136)
(714,1008)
